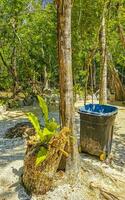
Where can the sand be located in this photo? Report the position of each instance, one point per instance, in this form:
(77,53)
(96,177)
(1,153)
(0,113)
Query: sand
(94,181)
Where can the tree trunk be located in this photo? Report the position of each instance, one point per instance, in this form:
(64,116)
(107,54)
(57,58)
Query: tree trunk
(65,62)
(14,72)
(103,70)
(46,82)
(11,67)
(117,84)
(66,81)
(121,34)
(39,180)
(88,63)
(94,75)
(91,78)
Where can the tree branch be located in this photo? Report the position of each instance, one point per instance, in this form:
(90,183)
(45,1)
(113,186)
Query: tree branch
(3,60)
(121,34)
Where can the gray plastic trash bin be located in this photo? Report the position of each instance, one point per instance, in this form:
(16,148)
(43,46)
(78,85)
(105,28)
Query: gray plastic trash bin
(96,128)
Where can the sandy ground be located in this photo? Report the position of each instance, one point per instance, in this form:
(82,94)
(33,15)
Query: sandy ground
(95,173)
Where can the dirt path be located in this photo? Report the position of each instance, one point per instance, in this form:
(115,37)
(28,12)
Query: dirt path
(98,174)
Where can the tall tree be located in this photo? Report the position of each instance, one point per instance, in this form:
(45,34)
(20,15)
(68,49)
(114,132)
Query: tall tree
(103,70)
(66,81)
(65,62)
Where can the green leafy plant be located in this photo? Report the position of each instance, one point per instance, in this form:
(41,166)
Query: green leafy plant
(43,134)
(41,156)
(2,102)
(44,108)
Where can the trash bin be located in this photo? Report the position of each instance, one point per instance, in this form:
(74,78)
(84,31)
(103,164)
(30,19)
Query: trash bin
(96,128)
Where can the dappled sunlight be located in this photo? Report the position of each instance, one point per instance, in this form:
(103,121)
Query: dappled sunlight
(12,155)
(57,56)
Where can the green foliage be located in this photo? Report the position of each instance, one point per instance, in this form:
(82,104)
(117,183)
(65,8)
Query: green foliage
(52,125)
(2,102)
(78,89)
(29,28)
(45,134)
(35,122)
(35,35)
(43,107)
(41,156)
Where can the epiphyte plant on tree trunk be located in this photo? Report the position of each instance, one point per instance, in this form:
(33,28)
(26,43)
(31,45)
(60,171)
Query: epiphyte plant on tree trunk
(43,135)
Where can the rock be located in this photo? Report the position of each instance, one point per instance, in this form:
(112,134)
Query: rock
(23,129)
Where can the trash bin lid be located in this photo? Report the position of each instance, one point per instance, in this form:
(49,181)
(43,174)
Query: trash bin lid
(98,109)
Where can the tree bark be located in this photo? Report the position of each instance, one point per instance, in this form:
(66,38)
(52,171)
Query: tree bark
(117,84)
(39,180)
(88,62)
(94,75)
(65,63)
(103,70)
(121,34)
(14,72)
(66,81)
(46,82)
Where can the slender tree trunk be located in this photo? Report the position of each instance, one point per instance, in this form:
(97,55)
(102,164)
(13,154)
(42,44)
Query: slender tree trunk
(94,75)
(14,72)
(117,84)
(65,62)
(91,77)
(103,70)
(88,63)
(14,59)
(11,67)
(86,85)
(121,34)
(46,82)
(66,84)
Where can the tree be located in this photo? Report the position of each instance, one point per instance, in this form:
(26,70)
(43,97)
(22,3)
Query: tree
(66,105)
(66,81)
(103,69)
(65,62)
(28,45)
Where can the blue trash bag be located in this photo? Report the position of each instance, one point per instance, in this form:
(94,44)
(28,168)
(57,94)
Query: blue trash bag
(98,109)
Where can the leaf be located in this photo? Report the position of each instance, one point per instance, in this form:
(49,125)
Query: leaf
(103,156)
(52,125)
(35,122)
(43,107)
(41,156)
(47,135)
(41,136)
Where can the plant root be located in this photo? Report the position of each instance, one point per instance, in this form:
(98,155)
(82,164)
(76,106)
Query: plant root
(39,179)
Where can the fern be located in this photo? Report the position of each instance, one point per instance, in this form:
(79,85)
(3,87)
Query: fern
(52,125)
(45,134)
(35,122)
(41,156)
(44,108)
